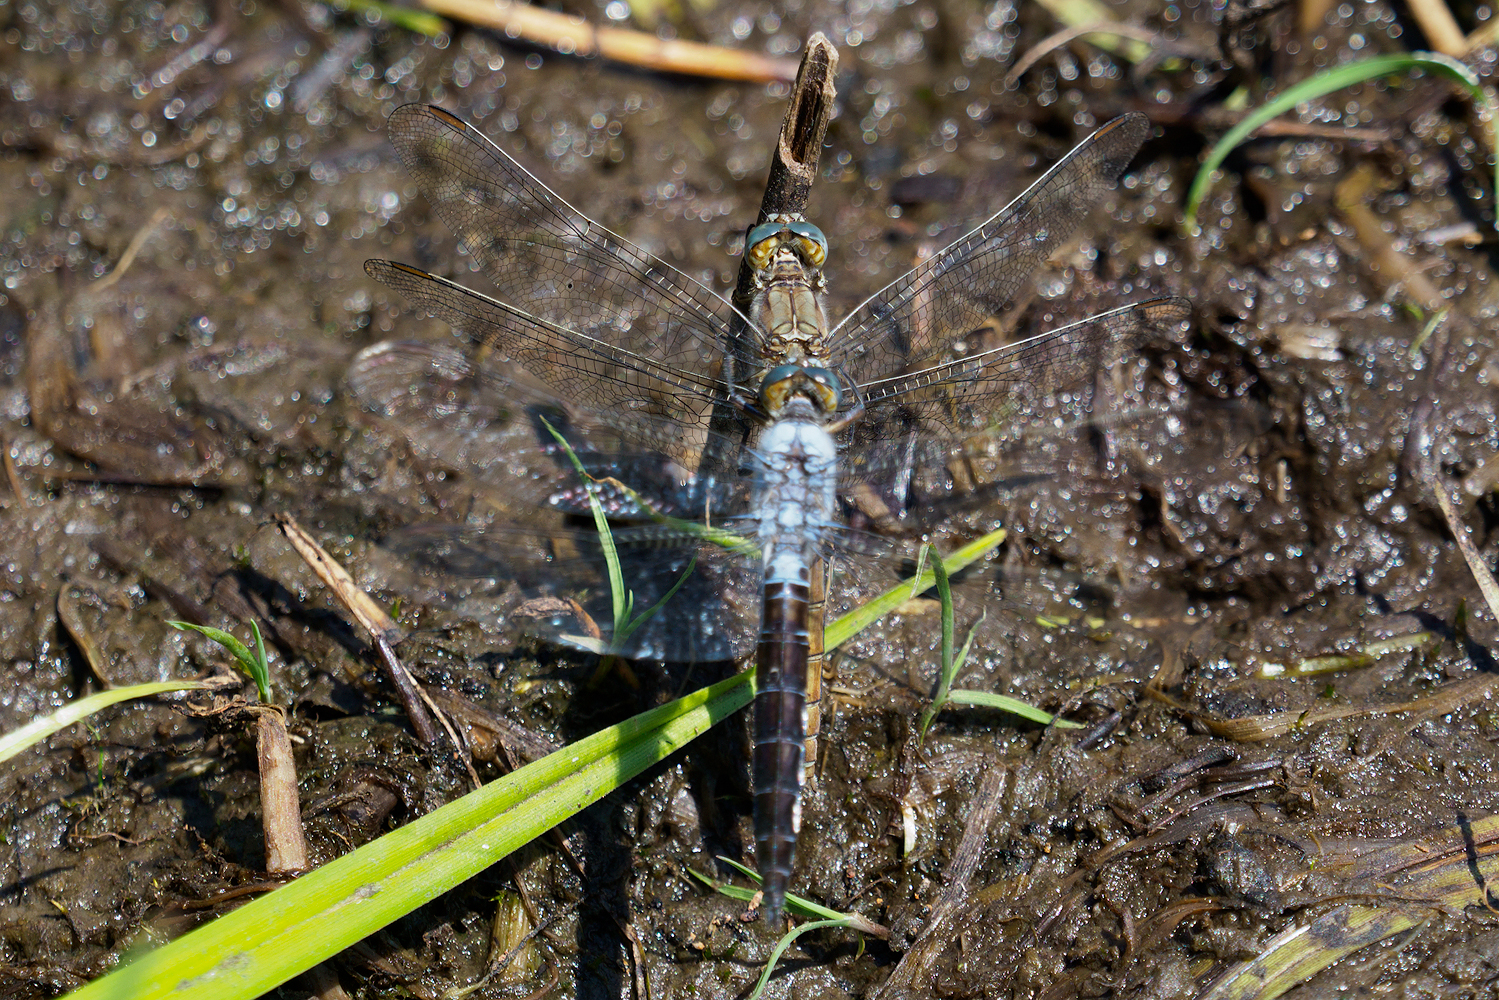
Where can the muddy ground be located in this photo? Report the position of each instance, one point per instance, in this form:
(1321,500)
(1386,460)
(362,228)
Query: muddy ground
(190,191)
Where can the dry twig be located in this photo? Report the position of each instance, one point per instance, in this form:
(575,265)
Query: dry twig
(573,36)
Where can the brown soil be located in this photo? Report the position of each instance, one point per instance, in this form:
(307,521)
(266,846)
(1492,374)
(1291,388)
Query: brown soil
(156,420)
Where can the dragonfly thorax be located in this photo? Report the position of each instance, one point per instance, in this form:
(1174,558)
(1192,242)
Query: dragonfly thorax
(786,258)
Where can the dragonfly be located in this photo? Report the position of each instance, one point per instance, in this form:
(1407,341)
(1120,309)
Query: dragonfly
(730,447)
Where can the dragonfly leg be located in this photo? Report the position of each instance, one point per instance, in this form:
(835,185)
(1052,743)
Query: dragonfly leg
(853,415)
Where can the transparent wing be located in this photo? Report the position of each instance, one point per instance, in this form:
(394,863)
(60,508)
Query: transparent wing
(908,324)
(905,475)
(697,602)
(971,389)
(706,598)
(588,288)
(497,429)
(575,366)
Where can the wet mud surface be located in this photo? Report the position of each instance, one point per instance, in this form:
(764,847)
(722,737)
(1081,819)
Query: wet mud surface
(181,253)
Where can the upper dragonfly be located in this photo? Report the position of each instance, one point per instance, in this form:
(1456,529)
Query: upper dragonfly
(632,358)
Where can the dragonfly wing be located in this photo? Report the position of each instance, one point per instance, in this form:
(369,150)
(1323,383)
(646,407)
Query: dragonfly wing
(977,445)
(461,417)
(573,274)
(497,429)
(977,277)
(705,597)
(578,367)
(972,389)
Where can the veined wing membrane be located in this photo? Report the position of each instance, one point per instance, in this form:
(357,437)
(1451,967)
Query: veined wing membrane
(576,366)
(708,595)
(539,250)
(964,390)
(976,277)
(473,419)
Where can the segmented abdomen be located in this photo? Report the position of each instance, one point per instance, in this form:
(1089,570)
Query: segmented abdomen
(796,498)
(780,728)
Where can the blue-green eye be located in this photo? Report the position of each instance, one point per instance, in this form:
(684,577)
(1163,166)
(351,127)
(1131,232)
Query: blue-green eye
(764,231)
(804,228)
(780,373)
(834,395)
(810,243)
(818,385)
(768,237)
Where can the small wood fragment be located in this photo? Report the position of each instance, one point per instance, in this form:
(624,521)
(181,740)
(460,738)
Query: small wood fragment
(1439,27)
(574,36)
(281,813)
(382,629)
(371,617)
(793,168)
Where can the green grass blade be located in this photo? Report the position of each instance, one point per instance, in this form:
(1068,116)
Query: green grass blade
(948,667)
(984,699)
(416,21)
(619,599)
(263,944)
(799,905)
(857,620)
(1320,85)
(944,682)
(37,730)
(261,669)
(252,663)
(944,595)
(967,646)
(241,653)
(783,944)
(645,616)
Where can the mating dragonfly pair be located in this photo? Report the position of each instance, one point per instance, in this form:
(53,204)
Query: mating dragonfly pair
(727,448)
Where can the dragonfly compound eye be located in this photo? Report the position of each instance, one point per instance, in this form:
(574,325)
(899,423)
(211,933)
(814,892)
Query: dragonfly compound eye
(810,242)
(762,243)
(778,385)
(825,385)
(765,239)
(784,381)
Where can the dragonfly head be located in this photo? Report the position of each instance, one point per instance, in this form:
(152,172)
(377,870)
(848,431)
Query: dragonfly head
(784,383)
(797,235)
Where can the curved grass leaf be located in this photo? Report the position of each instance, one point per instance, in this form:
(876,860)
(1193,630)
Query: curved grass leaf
(799,905)
(263,944)
(860,618)
(253,663)
(950,668)
(1320,85)
(984,699)
(39,729)
(783,944)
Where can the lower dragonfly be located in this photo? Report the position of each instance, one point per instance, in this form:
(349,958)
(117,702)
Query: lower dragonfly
(620,363)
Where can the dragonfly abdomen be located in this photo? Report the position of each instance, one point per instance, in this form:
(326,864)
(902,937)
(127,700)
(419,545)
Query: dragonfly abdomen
(780,725)
(794,504)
